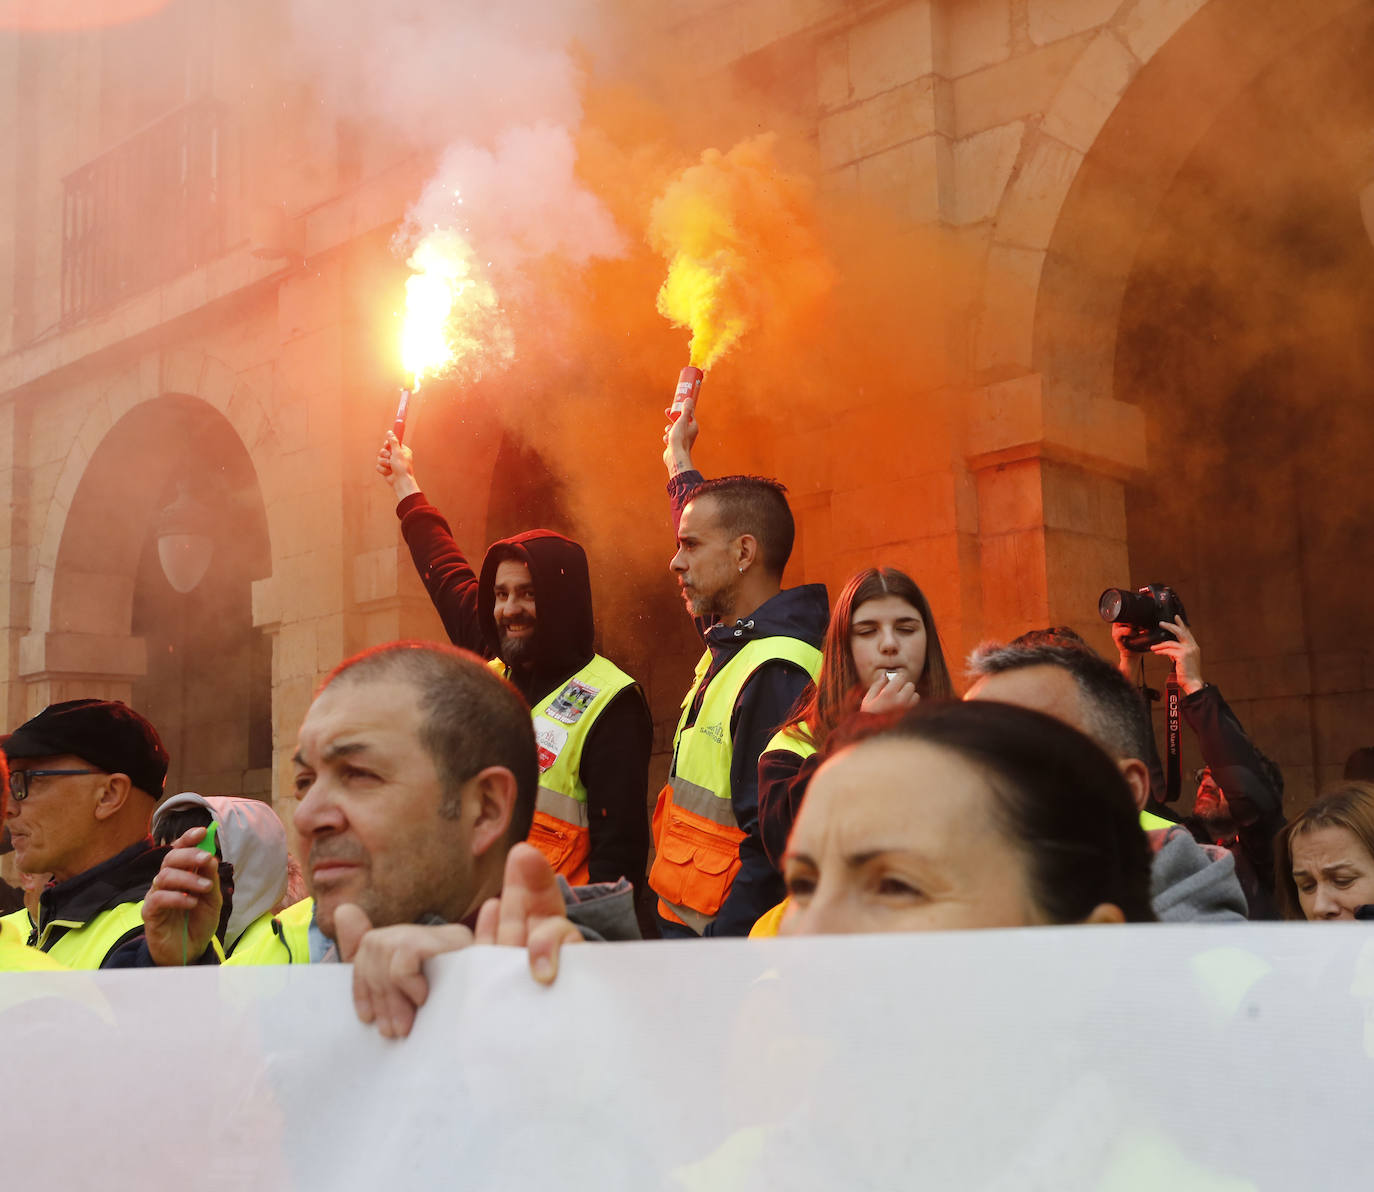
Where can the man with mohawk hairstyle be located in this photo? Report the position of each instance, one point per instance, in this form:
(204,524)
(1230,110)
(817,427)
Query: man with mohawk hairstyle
(734,537)
(529,614)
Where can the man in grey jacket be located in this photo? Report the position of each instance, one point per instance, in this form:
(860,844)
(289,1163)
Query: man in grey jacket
(1189,882)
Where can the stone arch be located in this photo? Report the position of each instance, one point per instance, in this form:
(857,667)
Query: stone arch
(1146,95)
(1048,443)
(193,373)
(105,622)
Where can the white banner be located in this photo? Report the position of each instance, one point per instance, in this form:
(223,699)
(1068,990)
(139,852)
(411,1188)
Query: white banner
(1105,1058)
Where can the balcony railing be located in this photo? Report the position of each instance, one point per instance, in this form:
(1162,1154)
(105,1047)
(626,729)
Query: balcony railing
(144,212)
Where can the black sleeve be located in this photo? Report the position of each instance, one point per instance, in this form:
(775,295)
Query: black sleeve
(783,779)
(132,952)
(445,571)
(764,704)
(1241,772)
(615,771)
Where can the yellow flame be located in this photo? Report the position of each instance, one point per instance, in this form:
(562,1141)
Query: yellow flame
(697,290)
(691,296)
(742,244)
(452,314)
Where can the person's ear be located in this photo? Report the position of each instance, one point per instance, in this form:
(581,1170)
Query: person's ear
(1106,912)
(492,794)
(111,796)
(746,551)
(1137,776)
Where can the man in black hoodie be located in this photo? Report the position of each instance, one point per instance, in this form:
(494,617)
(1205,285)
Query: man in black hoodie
(530,613)
(734,536)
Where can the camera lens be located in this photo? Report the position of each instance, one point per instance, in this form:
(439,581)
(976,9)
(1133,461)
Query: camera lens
(1110,604)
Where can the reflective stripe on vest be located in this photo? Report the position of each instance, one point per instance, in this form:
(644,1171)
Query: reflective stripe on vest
(85,945)
(696,835)
(562,721)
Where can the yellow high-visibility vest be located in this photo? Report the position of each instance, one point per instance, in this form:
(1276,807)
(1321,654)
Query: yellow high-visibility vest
(696,836)
(86,945)
(562,721)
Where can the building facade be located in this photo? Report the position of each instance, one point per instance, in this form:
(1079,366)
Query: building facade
(1150,361)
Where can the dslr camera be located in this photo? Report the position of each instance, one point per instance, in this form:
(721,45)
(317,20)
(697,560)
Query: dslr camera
(1143,610)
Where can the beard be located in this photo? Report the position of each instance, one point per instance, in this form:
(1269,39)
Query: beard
(715,605)
(518,651)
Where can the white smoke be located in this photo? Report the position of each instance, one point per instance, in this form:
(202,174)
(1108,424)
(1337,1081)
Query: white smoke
(518,201)
(496,85)
(438,71)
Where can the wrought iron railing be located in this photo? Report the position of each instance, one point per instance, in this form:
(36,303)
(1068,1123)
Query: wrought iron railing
(145,211)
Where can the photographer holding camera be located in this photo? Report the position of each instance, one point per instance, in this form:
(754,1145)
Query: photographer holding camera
(1239,802)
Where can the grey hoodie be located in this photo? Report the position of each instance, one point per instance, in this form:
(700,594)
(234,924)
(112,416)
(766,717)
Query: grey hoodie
(1193,883)
(252,839)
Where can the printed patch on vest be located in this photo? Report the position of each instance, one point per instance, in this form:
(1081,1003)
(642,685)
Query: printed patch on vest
(549,739)
(572,701)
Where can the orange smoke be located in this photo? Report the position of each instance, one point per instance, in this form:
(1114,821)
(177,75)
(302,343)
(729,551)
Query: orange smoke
(742,244)
(453,320)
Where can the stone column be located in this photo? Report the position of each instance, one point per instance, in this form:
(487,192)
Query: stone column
(61,666)
(1050,478)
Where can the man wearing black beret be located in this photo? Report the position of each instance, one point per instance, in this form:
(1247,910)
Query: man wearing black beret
(85,776)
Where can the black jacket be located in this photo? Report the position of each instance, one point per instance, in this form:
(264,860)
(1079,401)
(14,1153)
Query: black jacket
(125,877)
(615,757)
(764,704)
(1253,792)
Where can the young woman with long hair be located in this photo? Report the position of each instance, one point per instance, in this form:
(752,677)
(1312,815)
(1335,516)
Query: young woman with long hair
(881,654)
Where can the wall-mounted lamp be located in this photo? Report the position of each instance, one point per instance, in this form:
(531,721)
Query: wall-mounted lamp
(184,545)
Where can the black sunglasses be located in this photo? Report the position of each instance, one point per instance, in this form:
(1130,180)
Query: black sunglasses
(19,780)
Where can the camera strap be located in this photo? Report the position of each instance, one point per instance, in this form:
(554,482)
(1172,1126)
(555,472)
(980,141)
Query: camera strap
(1172,775)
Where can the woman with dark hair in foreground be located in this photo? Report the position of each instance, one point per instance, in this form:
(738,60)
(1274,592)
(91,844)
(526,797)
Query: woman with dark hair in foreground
(965,815)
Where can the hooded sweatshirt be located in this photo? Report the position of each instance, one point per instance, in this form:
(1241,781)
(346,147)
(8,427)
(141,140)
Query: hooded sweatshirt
(765,703)
(615,757)
(253,841)
(1193,883)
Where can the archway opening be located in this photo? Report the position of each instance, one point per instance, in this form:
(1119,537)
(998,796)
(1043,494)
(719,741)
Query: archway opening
(207,684)
(1244,334)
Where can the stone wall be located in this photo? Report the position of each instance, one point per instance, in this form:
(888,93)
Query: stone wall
(1017,132)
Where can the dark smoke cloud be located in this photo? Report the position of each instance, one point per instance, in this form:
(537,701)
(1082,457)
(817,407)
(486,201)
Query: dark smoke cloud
(1246,335)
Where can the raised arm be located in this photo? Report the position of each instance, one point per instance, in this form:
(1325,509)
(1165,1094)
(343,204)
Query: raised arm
(443,568)
(396,465)
(683,477)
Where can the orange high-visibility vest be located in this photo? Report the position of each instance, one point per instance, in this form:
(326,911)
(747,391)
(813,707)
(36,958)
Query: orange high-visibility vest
(696,835)
(562,720)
